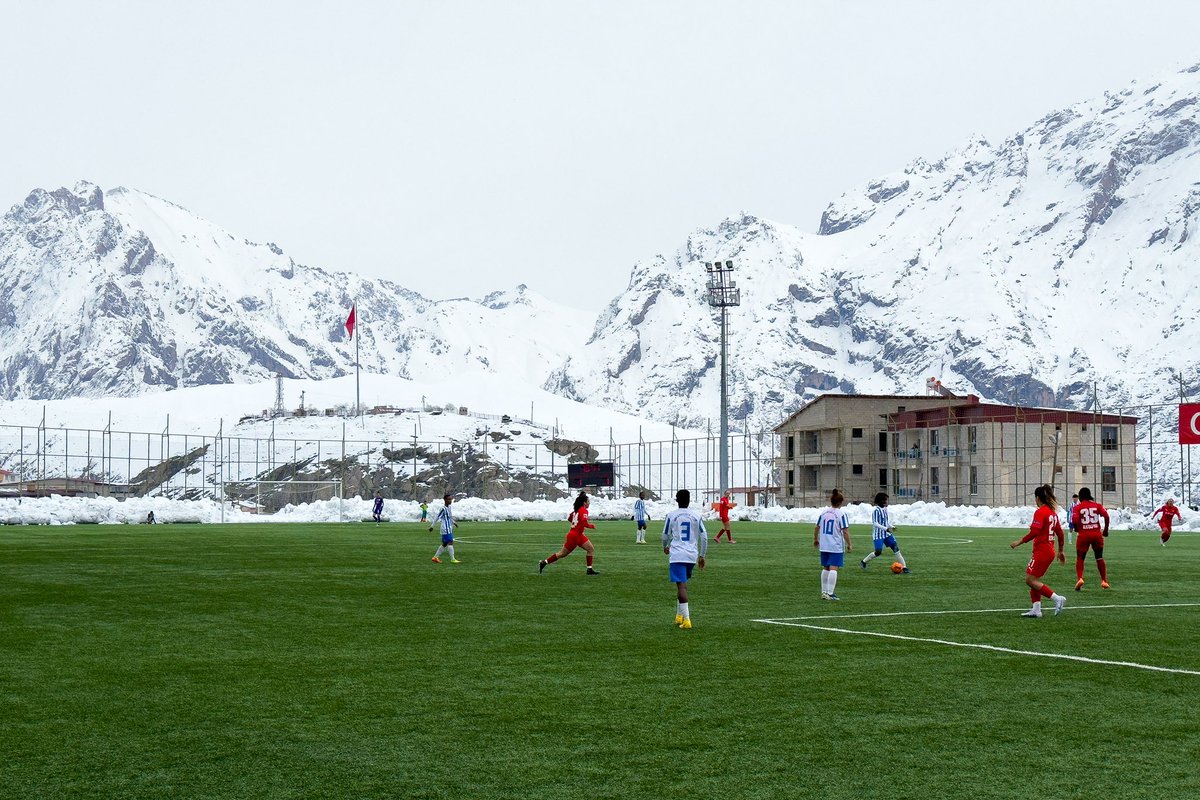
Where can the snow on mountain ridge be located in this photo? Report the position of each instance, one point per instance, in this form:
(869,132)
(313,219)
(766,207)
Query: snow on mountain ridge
(136,293)
(1023,272)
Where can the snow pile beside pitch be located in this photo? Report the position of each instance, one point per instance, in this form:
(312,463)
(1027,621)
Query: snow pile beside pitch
(107,511)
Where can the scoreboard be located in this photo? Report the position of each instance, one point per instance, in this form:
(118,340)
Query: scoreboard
(599,473)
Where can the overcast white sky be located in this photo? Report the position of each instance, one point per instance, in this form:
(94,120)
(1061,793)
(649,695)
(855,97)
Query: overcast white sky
(462,147)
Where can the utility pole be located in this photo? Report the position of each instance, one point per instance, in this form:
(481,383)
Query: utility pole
(722,295)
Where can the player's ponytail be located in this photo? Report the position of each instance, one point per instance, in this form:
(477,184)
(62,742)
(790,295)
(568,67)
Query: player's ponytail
(1045,496)
(836,498)
(579,501)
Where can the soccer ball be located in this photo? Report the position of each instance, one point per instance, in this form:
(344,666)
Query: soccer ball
(897,567)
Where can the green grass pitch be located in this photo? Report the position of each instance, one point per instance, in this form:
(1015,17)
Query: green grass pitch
(324,661)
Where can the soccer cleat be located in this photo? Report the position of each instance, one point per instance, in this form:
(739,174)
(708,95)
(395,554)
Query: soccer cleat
(733,541)
(436,560)
(906,571)
(824,595)
(679,619)
(686,625)
(1033,613)
(1079,584)
(541,566)
(833,596)
(1104,585)
(1059,602)
(455,561)
(591,571)
(863,563)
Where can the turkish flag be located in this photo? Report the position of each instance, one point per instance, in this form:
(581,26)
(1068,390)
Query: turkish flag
(1189,423)
(350,322)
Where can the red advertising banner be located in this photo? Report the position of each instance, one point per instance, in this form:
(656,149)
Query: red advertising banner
(1189,423)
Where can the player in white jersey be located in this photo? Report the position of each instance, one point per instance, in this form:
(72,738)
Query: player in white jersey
(832,538)
(881,532)
(640,515)
(445,519)
(685,541)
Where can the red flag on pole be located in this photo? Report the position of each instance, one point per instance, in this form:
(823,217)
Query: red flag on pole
(350,322)
(1189,423)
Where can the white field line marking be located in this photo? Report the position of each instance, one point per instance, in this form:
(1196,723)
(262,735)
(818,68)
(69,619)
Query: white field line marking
(992,648)
(969,611)
(951,540)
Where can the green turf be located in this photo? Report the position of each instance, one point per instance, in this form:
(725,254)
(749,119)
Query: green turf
(321,661)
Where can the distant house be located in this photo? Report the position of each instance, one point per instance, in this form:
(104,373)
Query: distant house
(955,450)
(8,477)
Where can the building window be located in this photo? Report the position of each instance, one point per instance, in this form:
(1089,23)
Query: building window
(972,438)
(1108,479)
(883,479)
(856,433)
(810,478)
(814,443)
(1085,470)
(934,484)
(974,488)
(883,441)
(935,440)
(896,481)
(1108,437)
(856,469)
(791,482)
(791,448)
(895,442)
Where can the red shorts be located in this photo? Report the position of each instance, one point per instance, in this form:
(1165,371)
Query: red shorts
(1086,539)
(725,521)
(1165,524)
(1041,561)
(574,540)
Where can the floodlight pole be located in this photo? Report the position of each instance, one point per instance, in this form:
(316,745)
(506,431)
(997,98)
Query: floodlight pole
(722,295)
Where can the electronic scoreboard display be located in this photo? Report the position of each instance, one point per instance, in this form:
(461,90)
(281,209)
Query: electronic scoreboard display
(599,473)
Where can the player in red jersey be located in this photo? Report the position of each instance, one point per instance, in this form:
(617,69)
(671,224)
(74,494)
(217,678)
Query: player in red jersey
(1045,526)
(1168,510)
(723,506)
(1085,517)
(576,536)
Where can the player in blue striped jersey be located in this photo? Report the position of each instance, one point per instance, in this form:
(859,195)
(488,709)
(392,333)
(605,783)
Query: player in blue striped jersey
(445,520)
(685,541)
(881,532)
(640,515)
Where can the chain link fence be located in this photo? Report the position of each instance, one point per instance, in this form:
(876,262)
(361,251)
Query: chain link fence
(43,460)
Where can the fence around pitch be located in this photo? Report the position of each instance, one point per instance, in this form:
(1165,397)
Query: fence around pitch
(190,465)
(48,460)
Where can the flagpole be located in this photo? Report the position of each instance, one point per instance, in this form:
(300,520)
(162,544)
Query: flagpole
(357,365)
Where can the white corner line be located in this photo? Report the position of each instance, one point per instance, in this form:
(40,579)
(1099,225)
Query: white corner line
(989,647)
(967,611)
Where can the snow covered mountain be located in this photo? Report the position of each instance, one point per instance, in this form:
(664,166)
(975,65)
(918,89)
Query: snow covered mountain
(1025,270)
(119,292)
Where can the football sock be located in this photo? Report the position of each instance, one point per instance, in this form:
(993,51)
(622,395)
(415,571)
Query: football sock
(440,550)
(870,556)
(1035,596)
(832,580)
(900,558)
(553,557)
(1037,606)
(683,609)
(1079,568)
(1103,569)
(589,559)
(824,581)
(450,550)
(1047,591)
